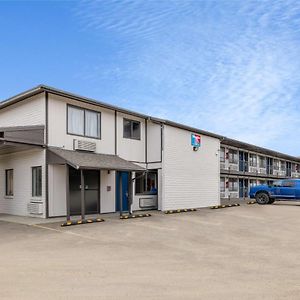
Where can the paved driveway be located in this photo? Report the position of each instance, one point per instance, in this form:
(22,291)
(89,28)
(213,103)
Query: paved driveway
(247,252)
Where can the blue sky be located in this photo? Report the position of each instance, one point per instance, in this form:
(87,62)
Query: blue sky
(230,67)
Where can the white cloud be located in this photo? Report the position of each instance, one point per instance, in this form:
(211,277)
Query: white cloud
(228,67)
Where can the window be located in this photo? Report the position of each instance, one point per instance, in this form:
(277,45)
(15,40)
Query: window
(288,183)
(276,164)
(262,162)
(83,122)
(222,185)
(222,154)
(253,160)
(233,156)
(9,182)
(36,181)
(277,183)
(146,183)
(131,129)
(282,165)
(233,185)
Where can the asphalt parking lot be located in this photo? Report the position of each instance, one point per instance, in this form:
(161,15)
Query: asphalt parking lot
(246,252)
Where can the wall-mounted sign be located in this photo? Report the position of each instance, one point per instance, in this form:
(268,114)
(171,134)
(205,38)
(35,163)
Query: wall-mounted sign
(196,140)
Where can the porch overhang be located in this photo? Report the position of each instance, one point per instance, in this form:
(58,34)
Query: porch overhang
(87,160)
(9,147)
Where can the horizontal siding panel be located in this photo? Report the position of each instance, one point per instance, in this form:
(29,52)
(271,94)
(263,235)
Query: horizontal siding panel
(190,178)
(25,113)
(21,163)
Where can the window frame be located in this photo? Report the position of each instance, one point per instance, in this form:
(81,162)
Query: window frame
(231,183)
(84,127)
(144,178)
(233,157)
(222,157)
(131,129)
(32,182)
(6,183)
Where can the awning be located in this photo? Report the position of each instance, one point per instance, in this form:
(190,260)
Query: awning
(87,160)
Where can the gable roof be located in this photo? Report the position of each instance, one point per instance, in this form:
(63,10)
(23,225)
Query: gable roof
(224,140)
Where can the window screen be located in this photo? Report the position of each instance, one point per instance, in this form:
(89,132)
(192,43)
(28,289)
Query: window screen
(9,182)
(146,183)
(131,129)
(37,181)
(75,120)
(83,122)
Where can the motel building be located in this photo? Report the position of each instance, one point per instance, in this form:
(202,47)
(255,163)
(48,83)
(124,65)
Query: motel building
(65,155)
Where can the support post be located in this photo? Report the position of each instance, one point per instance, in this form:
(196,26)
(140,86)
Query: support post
(82,195)
(130,194)
(68,193)
(120,193)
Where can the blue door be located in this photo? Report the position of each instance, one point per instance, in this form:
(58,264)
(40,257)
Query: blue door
(124,193)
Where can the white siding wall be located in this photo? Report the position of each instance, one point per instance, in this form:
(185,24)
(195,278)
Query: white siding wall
(108,201)
(130,149)
(190,178)
(57,190)
(21,163)
(27,112)
(153,142)
(58,137)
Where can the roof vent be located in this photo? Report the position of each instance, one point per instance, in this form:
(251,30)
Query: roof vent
(84,146)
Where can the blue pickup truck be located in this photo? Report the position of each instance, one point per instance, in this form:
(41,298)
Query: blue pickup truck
(287,189)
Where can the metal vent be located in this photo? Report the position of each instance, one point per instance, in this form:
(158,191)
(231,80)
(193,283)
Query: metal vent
(35,208)
(84,145)
(148,202)
(234,167)
(252,169)
(262,171)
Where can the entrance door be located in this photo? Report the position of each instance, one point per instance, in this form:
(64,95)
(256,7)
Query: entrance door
(243,188)
(124,193)
(91,186)
(269,165)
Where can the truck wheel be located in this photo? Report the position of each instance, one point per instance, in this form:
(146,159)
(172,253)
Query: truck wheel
(262,198)
(271,201)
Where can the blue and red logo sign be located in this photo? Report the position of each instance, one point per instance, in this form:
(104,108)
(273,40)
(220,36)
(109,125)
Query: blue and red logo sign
(196,140)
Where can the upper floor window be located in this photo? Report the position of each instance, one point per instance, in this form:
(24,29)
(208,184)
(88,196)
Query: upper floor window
(233,156)
(253,160)
(282,165)
(9,182)
(131,129)
(83,122)
(222,154)
(276,164)
(36,181)
(262,162)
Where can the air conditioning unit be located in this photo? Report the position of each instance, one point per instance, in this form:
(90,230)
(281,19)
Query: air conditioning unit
(84,145)
(234,167)
(252,169)
(35,208)
(262,171)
